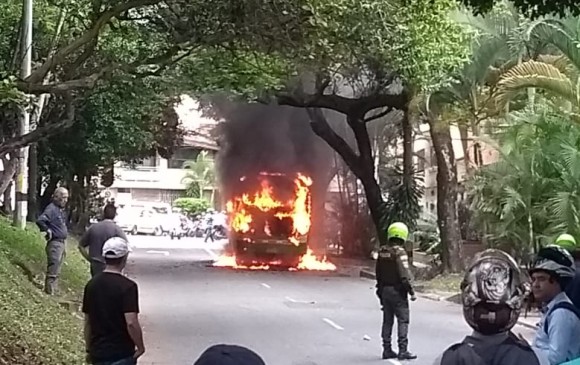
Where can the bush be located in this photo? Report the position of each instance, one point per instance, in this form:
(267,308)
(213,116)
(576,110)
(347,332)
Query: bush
(37,329)
(191,206)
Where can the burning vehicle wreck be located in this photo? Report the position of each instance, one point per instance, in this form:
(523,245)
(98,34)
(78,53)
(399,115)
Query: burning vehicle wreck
(271,225)
(270,170)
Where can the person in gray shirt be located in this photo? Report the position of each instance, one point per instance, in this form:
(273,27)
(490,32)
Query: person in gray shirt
(91,244)
(53,222)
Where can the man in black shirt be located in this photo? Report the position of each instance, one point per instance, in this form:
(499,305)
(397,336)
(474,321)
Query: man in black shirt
(113,335)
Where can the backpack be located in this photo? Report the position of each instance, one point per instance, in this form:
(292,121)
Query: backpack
(565,305)
(512,351)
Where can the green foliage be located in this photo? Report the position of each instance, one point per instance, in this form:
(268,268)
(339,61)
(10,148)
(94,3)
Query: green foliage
(533,193)
(534,8)
(191,206)
(200,175)
(402,204)
(35,328)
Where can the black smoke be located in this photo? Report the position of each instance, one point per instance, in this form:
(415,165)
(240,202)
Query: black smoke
(258,138)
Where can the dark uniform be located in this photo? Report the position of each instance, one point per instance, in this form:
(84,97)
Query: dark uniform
(393,288)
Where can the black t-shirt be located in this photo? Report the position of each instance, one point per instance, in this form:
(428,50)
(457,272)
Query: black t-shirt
(107,297)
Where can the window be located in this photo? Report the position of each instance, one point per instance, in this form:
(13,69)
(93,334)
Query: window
(420,160)
(147,162)
(477,155)
(123,190)
(180,156)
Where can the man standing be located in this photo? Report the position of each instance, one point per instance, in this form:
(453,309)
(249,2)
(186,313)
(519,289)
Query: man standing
(113,335)
(567,242)
(557,337)
(393,288)
(53,222)
(91,244)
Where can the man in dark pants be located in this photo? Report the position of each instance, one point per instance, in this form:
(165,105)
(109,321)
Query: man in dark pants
(53,222)
(91,244)
(393,287)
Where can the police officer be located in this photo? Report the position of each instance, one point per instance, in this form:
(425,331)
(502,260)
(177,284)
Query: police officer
(567,242)
(393,288)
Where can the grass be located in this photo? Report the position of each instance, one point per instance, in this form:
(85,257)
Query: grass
(448,283)
(36,329)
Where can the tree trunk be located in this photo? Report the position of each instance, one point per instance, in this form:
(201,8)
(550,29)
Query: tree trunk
(46,197)
(408,169)
(10,165)
(7,197)
(447,217)
(32,183)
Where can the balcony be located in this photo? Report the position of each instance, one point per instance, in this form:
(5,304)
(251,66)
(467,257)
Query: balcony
(158,177)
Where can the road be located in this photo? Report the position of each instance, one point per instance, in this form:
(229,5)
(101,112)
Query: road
(289,318)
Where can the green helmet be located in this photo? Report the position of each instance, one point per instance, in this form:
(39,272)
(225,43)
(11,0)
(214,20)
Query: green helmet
(566,241)
(398,230)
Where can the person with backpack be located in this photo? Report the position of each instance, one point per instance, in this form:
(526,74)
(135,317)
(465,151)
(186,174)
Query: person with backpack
(393,289)
(559,332)
(567,242)
(492,293)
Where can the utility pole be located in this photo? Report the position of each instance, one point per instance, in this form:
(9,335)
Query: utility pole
(24,126)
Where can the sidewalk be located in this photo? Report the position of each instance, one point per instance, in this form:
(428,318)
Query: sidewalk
(528,320)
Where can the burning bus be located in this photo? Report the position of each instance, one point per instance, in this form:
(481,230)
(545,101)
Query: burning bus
(270,221)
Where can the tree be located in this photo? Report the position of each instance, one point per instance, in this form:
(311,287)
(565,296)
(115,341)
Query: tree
(200,175)
(407,47)
(532,194)
(534,8)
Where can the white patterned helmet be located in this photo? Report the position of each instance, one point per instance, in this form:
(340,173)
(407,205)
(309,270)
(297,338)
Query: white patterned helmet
(492,292)
(555,260)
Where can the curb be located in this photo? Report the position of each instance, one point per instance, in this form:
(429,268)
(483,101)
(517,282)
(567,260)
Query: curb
(454,298)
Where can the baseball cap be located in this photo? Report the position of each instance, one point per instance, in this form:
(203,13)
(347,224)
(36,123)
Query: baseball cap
(229,355)
(115,247)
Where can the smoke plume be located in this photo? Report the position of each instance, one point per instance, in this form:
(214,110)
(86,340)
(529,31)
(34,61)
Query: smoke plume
(258,138)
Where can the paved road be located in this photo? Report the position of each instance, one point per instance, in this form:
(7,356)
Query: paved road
(289,318)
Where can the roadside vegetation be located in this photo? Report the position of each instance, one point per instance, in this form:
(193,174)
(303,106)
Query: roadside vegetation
(37,329)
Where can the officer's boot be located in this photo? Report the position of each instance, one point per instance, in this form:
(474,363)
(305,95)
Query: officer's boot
(388,353)
(404,354)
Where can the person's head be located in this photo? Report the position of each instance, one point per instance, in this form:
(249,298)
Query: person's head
(60,196)
(115,252)
(397,234)
(492,292)
(229,355)
(551,271)
(110,211)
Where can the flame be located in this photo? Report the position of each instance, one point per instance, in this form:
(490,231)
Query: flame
(309,262)
(250,215)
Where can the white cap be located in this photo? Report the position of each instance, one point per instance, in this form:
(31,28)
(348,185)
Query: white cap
(115,248)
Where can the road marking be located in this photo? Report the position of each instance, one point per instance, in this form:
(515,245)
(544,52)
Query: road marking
(332,324)
(213,255)
(266,286)
(164,253)
(395,362)
(291,300)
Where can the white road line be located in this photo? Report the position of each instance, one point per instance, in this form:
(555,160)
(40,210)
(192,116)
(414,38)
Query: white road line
(213,255)
(291,300)
(331,323)
(164,253)
(395,362)
(266,286)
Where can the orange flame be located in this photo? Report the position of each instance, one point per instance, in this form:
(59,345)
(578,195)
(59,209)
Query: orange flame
(244,217)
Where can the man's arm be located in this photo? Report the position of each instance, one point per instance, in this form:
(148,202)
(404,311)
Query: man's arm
(45,218)
(87,332)
(120,233)
(84,245)
(405,271)
(131,310)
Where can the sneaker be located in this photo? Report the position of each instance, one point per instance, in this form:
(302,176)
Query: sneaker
(406,355)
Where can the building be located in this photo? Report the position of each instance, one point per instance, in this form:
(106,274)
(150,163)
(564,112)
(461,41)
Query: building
(159,180)
(480,154)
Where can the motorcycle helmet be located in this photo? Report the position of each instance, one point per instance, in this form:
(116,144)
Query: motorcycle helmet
(557,261)
(566,241)
(398,230)
(492,292)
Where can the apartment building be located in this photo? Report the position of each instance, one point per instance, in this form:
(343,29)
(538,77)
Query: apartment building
(426,164)
(159,180)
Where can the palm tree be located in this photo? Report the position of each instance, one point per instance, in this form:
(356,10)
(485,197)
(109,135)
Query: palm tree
(533,192)
(555,72)
(200,175)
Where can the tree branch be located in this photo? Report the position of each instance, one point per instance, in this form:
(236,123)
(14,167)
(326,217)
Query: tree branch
(379,115)
(322,129)
(341,104)
(39,74)
(40,133)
